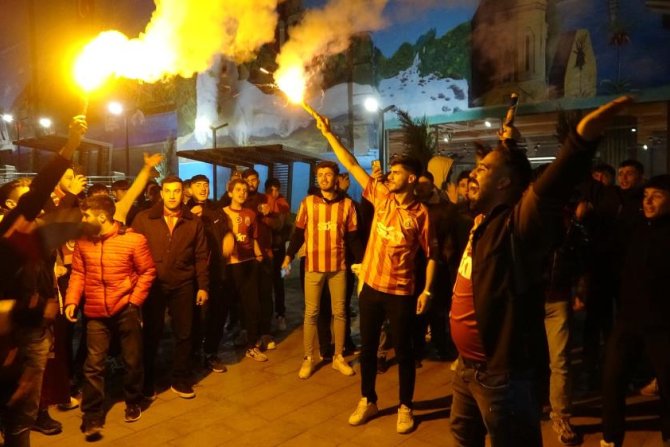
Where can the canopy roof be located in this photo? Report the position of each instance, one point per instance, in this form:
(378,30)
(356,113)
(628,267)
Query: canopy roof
(249,155)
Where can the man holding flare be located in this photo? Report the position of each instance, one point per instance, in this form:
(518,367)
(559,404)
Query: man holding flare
(400,226)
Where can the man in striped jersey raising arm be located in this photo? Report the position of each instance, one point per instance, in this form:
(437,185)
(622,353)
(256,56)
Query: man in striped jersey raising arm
(399,228)
(325,222)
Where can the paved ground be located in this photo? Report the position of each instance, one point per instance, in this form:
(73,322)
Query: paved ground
(266,404)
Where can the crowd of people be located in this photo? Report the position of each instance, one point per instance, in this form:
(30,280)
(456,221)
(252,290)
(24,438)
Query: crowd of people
(491,270)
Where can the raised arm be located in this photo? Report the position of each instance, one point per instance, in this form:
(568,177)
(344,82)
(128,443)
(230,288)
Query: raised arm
(539,206)
(343,155)
(77,129)
(123,206)
(31,203)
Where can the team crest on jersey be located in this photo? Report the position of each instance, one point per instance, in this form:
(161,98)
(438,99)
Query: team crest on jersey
(389,233)
(326,226)
(247,221)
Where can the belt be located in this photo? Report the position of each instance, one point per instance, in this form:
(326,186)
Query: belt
(474,364)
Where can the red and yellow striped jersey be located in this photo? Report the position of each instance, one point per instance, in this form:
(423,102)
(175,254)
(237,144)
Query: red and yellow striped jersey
(397,233)
(243,225)
(325,224)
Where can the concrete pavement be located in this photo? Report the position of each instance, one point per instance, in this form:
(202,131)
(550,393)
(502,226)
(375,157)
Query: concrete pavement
(266,404)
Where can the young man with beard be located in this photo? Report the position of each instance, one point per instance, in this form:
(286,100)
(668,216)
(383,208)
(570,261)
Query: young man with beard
(451,229)
(400,227)
(216,310)
(497,313)
(114,270)
(179,248)
(243,258)
(281,208)
(324,222)
(643,324)
(266,222)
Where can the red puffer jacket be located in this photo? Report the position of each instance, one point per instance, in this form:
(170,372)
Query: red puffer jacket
(110,271)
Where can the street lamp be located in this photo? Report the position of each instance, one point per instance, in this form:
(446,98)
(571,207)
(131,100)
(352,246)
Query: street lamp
(372,105)
(117,109)
(45,123)
(214,176)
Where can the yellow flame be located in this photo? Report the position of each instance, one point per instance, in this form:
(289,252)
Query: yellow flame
(182,38)
(292,82)
(97,61)
(323,32)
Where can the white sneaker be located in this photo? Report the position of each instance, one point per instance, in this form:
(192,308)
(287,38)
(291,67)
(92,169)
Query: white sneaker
(363,412)
(306,368)
(405,420)
(341,365)
(281,323)
(256,354)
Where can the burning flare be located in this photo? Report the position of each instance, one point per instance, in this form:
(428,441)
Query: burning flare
(293,83)
(182,38)
(321,33)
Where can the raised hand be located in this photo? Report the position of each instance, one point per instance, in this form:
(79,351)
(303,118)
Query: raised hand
(322,123)
(78,184)
(152,160)
(594,124)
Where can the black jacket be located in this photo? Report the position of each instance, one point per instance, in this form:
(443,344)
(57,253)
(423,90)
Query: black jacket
(216,226)
(645,283)
(26,258)
(180,257)
(509,249)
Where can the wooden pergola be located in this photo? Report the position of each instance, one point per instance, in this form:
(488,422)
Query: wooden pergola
(278,158)
(94,156)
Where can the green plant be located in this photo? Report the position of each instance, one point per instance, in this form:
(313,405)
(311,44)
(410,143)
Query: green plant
(417,138)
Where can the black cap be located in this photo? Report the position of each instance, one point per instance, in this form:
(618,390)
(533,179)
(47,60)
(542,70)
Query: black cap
(659,182)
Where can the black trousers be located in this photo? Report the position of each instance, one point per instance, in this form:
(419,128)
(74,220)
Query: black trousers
(179,302)
(125,327)
(278,253)
(400,310)
(242,278)
(212,318)
(624,347)
(264,285)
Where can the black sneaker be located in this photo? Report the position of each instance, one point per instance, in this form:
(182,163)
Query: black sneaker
(133,412)
(46,425)
(183,390)
(215,364)
(91,429)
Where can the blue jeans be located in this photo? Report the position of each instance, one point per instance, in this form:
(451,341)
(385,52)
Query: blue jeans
(496,404)
(34,345)
(126,326)
(557,327)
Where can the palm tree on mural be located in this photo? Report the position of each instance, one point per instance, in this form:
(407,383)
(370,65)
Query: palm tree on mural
(619,38)
(417,138)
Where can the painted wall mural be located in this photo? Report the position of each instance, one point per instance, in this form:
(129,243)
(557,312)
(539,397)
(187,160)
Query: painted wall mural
(438,58)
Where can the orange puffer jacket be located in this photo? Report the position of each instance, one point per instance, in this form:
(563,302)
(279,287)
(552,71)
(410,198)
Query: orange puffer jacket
(110,271)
